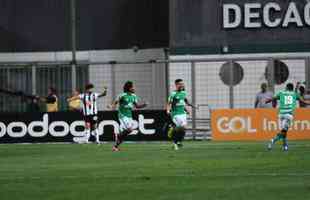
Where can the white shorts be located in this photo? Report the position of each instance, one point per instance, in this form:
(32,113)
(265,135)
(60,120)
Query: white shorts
(285,121)
(127,123)
(180,120)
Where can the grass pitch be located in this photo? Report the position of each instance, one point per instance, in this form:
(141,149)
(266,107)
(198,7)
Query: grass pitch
(147,171)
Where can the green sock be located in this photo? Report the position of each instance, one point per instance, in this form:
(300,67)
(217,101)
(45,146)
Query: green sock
(278,137)
(170,133)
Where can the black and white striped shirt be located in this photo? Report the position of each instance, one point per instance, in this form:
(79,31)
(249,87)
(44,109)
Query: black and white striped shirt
(89,102)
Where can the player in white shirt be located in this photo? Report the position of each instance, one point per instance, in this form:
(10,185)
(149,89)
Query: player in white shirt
(89,105)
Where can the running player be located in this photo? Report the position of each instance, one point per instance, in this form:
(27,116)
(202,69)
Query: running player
(89,104)
(176,109)
(288,100)
(126,102)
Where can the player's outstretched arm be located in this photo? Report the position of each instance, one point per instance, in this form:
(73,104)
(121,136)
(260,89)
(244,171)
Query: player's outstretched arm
(187,110)
(189,104)
(113,105)
(301,99)
(139,106)
(271,99)
(104,92)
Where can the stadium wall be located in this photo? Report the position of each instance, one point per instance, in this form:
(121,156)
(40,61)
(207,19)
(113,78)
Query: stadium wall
(150,79)
(212,90)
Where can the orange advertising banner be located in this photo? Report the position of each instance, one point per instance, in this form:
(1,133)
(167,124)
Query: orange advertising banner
(256,124)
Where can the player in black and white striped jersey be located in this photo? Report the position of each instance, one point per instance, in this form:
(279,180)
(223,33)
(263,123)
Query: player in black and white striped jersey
(90,110)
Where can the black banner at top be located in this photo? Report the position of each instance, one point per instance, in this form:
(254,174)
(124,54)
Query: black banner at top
(64,126)
(45,25)
(240,26)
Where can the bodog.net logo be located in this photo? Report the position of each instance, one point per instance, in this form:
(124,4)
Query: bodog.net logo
(235,125)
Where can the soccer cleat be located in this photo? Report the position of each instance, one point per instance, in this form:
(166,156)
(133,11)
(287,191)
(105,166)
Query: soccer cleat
(285,148)
(270,145)
(114,149)
(81,140)
(180,144)
(176,146)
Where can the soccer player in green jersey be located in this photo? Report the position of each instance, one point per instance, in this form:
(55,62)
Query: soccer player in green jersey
(176,109)
(288,101)
(126,102)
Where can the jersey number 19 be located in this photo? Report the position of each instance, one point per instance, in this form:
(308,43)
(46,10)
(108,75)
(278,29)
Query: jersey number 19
(288,100)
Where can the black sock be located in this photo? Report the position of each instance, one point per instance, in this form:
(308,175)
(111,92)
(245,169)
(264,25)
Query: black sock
(182,135)
(121,138)
(175,136)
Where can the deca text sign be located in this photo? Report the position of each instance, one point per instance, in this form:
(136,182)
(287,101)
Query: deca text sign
(270,14)
(256,124)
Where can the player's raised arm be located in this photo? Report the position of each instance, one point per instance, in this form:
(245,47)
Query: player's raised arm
(104,92)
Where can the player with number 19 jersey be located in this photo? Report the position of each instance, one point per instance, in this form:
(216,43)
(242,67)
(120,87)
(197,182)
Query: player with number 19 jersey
(288,101)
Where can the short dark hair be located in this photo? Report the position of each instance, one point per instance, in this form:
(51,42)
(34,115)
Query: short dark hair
(89,86)
(127,86)
(302,89)
(178,81)
(290,86)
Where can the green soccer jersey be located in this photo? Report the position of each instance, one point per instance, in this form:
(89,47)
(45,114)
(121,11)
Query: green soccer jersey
(177,100)
(127,102)
(288,101)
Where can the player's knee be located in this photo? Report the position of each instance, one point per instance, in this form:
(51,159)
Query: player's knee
(129,130)
(284,130)
(180,129)
(94,127)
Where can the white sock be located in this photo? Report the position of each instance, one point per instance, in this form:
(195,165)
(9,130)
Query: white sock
(97,135)
(93,133)
(87,135)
